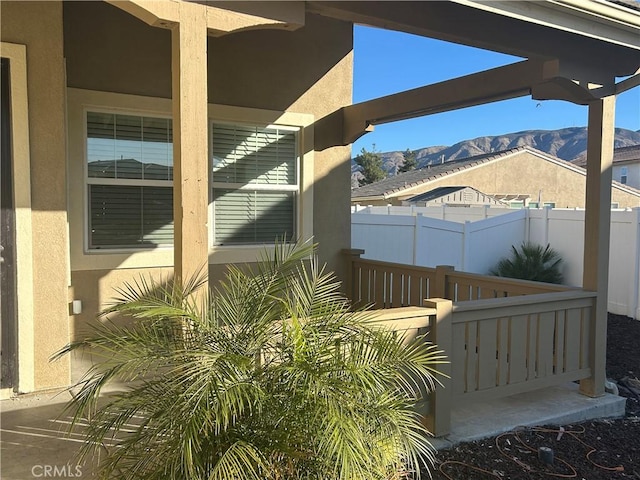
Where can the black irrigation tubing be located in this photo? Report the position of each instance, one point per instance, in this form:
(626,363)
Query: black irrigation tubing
(465,465)
(516,433)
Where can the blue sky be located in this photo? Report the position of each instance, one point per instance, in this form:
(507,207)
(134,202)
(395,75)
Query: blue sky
(387,62)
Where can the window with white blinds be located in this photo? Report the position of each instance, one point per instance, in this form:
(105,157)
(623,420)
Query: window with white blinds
(129,180)
(255,184)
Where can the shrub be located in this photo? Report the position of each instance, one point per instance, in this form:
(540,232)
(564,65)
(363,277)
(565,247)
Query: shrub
(272,378)
(531,262)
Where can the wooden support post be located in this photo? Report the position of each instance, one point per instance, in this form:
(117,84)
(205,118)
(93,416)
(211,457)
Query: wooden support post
(438,422)
(351,254)
(190,146)
(440,289)
(596,234)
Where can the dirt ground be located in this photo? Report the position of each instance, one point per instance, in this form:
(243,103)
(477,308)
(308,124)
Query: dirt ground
(593,450)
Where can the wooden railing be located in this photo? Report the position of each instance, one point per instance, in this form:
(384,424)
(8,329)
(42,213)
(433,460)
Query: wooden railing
(504,346)
(502,336)
(461,286)
(388,285)
(414,321)
(392,285)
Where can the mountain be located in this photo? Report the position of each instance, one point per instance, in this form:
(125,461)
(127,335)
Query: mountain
(566,143)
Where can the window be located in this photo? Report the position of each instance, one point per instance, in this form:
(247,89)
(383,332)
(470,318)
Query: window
(255,177)
(549,204)
(121,178)
(533,205)
(623,175)
(516,204)
(129,180)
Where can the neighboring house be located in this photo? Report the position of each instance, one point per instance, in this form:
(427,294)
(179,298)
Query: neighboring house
(453,197)
(521,176)
(161,137)
(626,165)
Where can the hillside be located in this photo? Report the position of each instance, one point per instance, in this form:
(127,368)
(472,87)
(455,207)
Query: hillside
(567,144)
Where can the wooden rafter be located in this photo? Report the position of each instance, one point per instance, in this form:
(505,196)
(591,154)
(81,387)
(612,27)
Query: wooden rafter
(219,20)
(502,83)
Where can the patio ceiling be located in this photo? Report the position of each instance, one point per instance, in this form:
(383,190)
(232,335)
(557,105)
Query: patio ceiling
(601,42)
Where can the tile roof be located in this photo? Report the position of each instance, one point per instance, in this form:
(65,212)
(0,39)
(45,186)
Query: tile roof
(620,154)
(435,193)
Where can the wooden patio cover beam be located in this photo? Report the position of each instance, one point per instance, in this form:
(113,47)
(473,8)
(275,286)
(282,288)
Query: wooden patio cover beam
(502,83)
(219,19)
(472,24)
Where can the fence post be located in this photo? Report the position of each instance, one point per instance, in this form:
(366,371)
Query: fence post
(439,420)
(351,254)
(466,246)
(440,289)
(634,298)
(417,226)
(547,209)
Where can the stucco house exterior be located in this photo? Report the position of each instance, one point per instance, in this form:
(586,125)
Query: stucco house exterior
(521,175)
(626,165)
(156,137)
(94,165)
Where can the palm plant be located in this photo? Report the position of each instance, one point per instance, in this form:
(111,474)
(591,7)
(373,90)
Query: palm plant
(531,262)
(273,377)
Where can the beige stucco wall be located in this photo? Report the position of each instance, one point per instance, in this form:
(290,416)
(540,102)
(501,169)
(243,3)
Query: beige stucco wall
(38,25)
(522,173)
(306,71)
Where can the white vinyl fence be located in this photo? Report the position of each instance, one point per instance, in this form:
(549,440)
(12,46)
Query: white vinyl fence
(475,239)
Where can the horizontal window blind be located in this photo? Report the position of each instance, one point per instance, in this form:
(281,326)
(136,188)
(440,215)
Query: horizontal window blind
(129,176)
(244,217)
(252,155)
(255,184)
(130,216)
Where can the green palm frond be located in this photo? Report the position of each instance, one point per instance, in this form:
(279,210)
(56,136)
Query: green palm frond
(531,262)
(273,378)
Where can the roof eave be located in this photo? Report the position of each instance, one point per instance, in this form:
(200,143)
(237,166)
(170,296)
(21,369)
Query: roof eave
(598,19)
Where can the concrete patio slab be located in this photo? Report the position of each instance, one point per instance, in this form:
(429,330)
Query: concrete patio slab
(35,443)
(560,405)
(34,439)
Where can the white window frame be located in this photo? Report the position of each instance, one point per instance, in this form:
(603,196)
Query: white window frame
(294,188)
(303,123)
(134,182)
(80,100)
(624,175)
